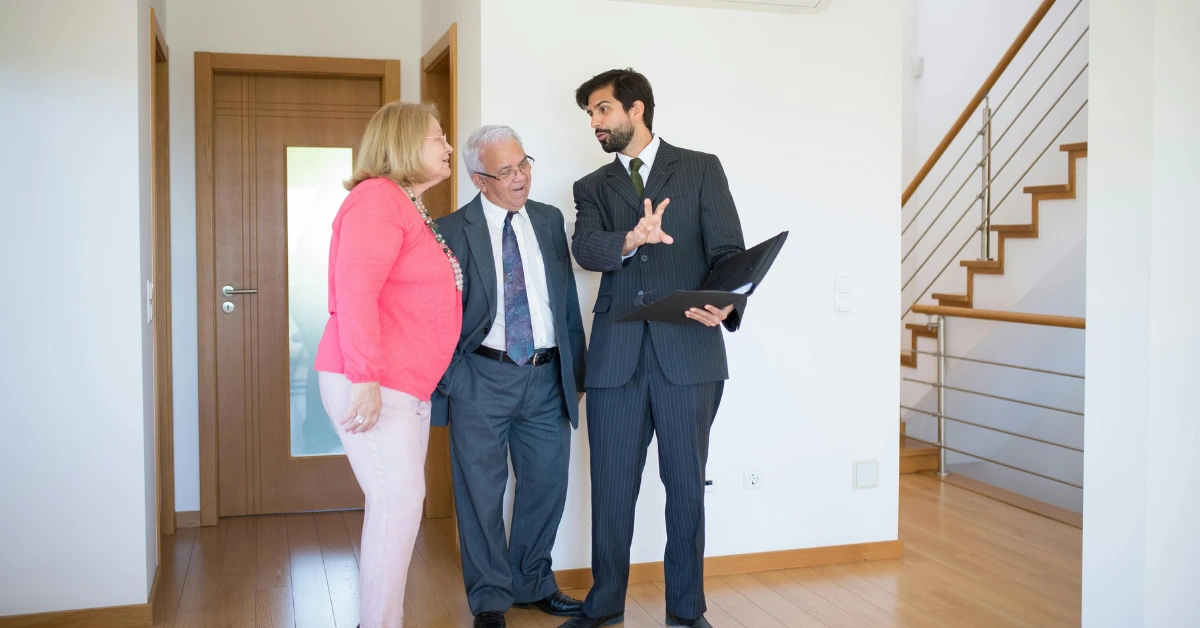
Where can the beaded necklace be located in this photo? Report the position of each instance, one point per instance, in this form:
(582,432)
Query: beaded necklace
(458,275)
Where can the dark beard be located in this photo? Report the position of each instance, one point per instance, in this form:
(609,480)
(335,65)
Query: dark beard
(618,139)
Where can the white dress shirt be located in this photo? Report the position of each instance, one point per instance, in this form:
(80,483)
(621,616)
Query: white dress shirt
(647,156)
(540,315)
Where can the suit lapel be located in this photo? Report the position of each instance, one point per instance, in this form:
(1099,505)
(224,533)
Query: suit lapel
(543,228)
(661,171)
(481,251)
(618,179)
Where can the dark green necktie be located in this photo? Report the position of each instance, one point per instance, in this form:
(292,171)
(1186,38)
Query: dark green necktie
(634,166)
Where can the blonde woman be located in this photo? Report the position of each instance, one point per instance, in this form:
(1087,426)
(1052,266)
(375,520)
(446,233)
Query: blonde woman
(395,310)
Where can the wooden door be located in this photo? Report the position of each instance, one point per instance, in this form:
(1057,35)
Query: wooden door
(282,145)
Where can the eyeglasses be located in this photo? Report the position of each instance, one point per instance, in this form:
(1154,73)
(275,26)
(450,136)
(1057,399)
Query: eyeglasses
(507,173)
(439,137)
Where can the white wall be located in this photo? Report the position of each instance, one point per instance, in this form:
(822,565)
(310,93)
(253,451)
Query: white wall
(375,29)
(910,159)
(77,492)
(1143,497)
(804,112)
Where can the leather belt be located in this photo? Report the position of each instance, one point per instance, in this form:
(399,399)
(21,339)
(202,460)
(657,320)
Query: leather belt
(539,358)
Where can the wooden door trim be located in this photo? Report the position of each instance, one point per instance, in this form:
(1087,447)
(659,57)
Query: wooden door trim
(446,44)
(447,48)
(160,198)
(439,499)
(208,64)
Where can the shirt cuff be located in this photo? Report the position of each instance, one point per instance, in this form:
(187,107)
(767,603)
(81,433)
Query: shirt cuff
(631,254)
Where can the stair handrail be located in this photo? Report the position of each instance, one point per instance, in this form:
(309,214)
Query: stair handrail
(984,89)
(1045,320)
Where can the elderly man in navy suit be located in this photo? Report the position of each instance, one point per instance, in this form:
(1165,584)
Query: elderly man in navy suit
(514,384)
(649,378)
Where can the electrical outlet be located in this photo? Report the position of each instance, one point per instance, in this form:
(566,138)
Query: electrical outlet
(752,480)
(710,483)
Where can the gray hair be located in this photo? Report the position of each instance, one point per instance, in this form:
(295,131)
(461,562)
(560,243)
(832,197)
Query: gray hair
(489,135)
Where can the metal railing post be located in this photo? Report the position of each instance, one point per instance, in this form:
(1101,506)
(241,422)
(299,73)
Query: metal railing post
(940,324)
(985,195)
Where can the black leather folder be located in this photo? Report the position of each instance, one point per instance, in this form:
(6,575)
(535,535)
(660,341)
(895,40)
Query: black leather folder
(730,283)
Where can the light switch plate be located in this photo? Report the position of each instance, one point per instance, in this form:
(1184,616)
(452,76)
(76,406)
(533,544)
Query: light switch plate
(866,474)
(844,284)
(149,301)
(845,304)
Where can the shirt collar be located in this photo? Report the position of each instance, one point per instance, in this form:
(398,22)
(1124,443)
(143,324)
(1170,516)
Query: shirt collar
(496,214)
(647,155)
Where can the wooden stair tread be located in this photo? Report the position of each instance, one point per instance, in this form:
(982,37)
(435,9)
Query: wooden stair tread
(982,264)
(1013,228)
(921,330)
(910,447)
(956,298)
(1070,148)
(1047,189)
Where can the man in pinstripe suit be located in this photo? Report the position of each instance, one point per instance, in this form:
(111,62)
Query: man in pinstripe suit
(649,378)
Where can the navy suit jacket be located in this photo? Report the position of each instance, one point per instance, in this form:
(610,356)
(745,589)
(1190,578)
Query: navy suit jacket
(703,221)
(466,232)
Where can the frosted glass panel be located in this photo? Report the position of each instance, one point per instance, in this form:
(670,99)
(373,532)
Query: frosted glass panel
(314,193)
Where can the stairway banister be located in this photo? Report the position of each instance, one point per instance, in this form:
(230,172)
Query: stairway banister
(988,83)
(1046,320)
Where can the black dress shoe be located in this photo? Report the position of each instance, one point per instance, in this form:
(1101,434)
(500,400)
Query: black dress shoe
(489,619)
(557,603)
(675,620)
(583,621)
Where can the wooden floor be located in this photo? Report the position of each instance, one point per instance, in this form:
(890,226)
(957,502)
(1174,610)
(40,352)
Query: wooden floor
(968,561)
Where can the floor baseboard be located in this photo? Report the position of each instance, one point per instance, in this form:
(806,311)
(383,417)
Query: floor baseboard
(132,616)
(640,573)
(187,519)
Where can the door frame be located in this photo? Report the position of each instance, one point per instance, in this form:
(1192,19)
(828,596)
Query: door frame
(446,49)
(439,489)
(209,64)
(160,212)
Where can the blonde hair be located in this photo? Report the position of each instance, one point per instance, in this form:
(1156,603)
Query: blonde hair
(391,145)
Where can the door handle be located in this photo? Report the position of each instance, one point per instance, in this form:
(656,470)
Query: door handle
(229,291)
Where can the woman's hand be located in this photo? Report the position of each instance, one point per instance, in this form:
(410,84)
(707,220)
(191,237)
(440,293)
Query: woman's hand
(365,406)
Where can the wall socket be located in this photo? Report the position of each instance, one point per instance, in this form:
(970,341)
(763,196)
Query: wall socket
(752,480)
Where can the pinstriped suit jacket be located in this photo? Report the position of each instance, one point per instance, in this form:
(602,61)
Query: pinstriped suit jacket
(704,222)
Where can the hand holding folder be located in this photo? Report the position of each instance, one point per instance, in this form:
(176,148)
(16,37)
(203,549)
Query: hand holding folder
(730,283)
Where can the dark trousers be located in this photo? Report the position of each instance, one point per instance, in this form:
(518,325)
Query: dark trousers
(502,410)
(620,423)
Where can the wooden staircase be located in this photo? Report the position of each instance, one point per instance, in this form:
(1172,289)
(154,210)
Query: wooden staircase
(908,357)
(916,456)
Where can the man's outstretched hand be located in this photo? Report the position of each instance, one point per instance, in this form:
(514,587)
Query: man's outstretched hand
(649,229)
